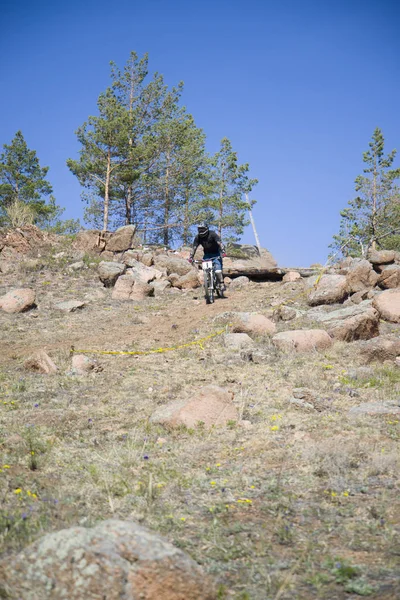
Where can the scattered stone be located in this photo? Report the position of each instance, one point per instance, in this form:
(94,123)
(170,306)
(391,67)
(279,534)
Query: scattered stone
(40,362)
(211,406)
(76,266)
(291,276)
(388,305)
(82,365)
(374,409)
(18,301)
(390,277)
(301,404)
(361,276)
(327,290)
(381,257)
(302,340)
(253,324)
(363,326)
(380,349)
(306,398)
(113,560)
(227,280)
(239,282)
(70,305)
(285,313)
(237,341)
(110,271)
(121,239)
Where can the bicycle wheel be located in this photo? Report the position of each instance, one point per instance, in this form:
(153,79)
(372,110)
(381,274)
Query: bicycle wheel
(208,289)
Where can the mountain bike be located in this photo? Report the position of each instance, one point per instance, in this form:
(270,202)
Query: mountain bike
(211,284)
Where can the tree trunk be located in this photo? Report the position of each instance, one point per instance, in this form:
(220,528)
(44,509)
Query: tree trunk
(166,208)
(253,225)
(128,207)
(186,220)
(374,207)
(107,191)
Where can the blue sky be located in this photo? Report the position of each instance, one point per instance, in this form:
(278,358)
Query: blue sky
(298,87)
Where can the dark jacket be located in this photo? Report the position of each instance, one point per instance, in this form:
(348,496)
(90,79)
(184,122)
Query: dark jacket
(211,244)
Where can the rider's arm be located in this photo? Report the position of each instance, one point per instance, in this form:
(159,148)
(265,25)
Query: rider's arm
(220,244)
(195,246)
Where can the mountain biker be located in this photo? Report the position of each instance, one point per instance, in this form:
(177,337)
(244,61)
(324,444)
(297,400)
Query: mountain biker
(213,249)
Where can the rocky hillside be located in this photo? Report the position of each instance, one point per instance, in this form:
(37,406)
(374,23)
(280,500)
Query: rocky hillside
(246,449)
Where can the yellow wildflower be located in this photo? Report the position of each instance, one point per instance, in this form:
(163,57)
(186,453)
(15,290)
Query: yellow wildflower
(6,467)
(213,483)
(345,493)
(274,427)
(17,491)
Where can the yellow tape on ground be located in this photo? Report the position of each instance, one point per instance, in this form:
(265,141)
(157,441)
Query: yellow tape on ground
(154,350)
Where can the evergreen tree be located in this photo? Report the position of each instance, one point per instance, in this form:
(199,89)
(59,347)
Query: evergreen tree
(23,180)
(229,181)
(103,138)
(372,218)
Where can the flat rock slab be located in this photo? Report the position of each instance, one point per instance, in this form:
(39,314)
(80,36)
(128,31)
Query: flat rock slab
(253,324)
(114,560)
(19,300)
(211,406)
(375,408)
(69,305)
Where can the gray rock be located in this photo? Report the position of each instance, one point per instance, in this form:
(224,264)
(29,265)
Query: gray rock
(238,341)
(115,560)
(110,271)
(329,289)
(239,282)
(122,239)
(69,305)
(375,408)
(324,315)
(77,266)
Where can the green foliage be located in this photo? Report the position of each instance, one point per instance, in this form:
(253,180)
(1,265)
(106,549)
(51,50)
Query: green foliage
(23,182)
(372,218)
(143,161)
(229,181)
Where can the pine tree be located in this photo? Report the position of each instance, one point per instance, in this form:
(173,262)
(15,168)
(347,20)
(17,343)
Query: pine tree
(23,181)
(229,180)
(372,218)
(103,138)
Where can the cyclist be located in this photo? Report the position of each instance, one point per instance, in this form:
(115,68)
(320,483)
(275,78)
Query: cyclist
(213,250)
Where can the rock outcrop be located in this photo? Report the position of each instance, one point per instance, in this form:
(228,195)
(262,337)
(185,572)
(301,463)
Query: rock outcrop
(113,560)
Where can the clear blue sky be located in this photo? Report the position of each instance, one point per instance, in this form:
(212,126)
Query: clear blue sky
(298,87)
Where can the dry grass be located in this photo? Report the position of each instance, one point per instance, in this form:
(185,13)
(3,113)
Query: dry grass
(301,505)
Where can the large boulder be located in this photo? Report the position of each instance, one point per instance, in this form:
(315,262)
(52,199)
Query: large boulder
(210,406)
(18,301)
(361,276)
(110,271)
(302,340)
(185,282)
(143,274)
(362,326)
(324,314)
(239,282)
(390,277)
(127,288)
(381,257)
(172,264)
(246,258)
(113,560)
(253,324)
(91,240)
(121,239)
(328,289)
(380,349)
(388,305)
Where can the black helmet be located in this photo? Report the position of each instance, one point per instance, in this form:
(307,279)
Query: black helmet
(202,229)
